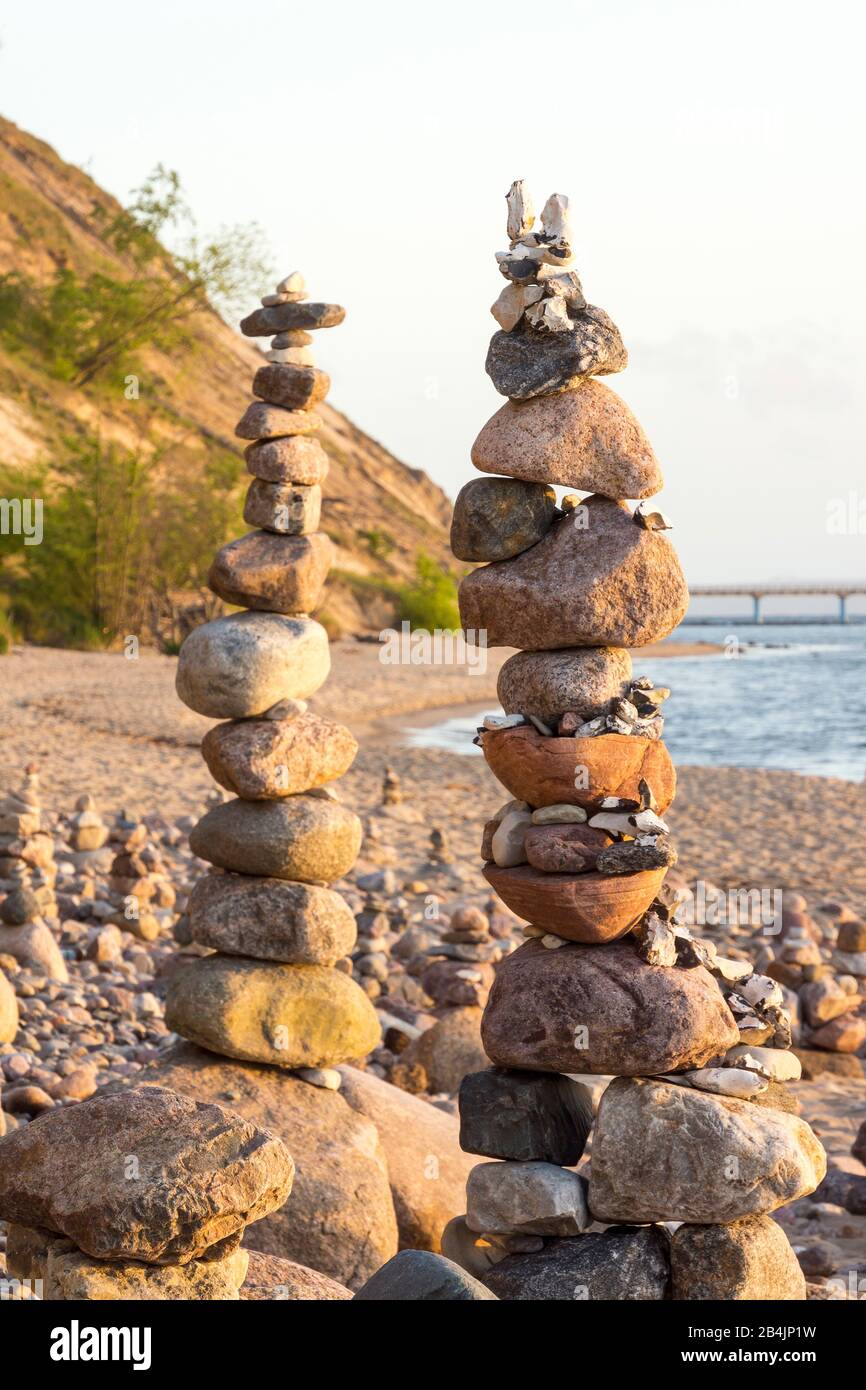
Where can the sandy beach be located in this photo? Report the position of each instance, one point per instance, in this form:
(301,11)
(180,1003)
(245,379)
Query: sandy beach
(99,723)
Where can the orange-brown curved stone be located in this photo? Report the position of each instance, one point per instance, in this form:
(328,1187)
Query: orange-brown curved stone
(590,908)
(542,770)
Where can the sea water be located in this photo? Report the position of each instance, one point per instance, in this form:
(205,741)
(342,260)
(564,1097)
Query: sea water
(789,696)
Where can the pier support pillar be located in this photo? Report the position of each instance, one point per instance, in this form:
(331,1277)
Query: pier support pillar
(756,608)
(843,608)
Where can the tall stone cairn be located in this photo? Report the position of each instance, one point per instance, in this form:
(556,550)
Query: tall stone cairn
(279,989)
(697,1126)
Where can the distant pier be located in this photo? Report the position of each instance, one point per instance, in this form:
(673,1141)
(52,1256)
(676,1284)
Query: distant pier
(757,592)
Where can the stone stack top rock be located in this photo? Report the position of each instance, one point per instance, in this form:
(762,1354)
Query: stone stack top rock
(550,336)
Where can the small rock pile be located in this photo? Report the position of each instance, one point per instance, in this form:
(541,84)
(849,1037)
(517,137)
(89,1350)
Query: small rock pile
(279,988)
(27,868)
(137,1195)
(696,1127)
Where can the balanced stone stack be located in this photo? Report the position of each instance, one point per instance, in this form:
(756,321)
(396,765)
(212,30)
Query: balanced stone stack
(27,869)
(137,1195)
(271,993)
(696,1127)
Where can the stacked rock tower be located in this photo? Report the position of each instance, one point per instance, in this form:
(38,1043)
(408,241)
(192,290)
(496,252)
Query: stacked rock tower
(697,1126)
(279,988)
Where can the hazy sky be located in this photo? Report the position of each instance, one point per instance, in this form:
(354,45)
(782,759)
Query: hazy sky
(712,152)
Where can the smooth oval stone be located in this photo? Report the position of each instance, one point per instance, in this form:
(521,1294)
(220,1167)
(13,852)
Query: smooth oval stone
(586,439)
(280,318)
(293,459)
(419,1276)
(777,1063)
(273,573)
(608,583)
(285,508)
(527,363)
(495,518)
(262,760)
(748,1260)
(578,771)
(296,388)
(287,1015)
(242,664)
(634,1019)
(547,684)
(739,1159)
(271,919)
(261,420)
(302,837)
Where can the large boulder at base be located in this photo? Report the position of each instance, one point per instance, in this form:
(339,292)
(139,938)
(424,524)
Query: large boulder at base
(266,759)
(263,1011)
(143,1174)
(748,1260)
(308,838)
(270,1279)
(8,1011)
(426,1167)
(450,1049)
(417,1276)
(340,1219)
(602,1010)
(739,1159)
(607,583)
(243,664)
(586,439)
(271,919)
(578,771)
(619,1265)
(35,948)
(547,684)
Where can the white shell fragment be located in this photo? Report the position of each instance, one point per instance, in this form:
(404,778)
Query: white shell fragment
(772,1062)
(521,213)
(503,721)
(722,1081)
(651,520)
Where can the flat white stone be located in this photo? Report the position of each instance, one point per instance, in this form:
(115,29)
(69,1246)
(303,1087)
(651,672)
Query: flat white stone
(772,1062)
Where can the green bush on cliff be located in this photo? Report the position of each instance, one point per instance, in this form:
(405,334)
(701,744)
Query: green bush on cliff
(119,535)
(430,601)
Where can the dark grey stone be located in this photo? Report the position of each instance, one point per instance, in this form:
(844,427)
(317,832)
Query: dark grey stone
(280,318)
(496,518)
(632,858)
(622,1264)
(21,905)
(526,363)
(417,1276)
(524,1115)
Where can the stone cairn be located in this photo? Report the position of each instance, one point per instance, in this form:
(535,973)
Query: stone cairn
(271,993)
(177,1183)
(28,872)
(697,1126)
